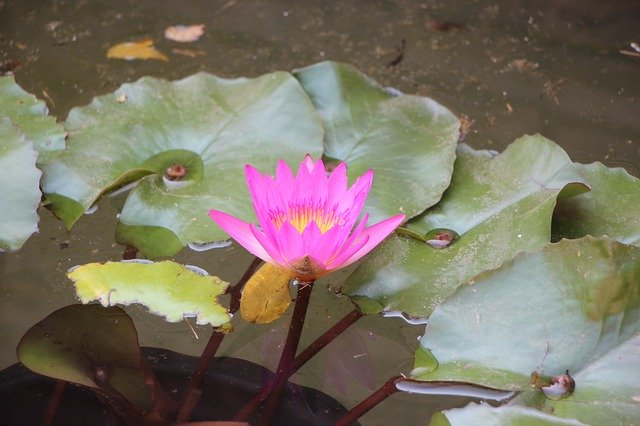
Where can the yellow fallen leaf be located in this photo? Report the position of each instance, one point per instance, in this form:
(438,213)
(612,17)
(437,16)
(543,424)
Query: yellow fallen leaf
(184,33)
(265,297)
(140,49)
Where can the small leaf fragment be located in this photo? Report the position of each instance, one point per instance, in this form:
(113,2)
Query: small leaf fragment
(140,49)
(265,297)
(167,288)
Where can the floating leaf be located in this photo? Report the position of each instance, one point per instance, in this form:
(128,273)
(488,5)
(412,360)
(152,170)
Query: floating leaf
(506,415)
(96,347)
(184,33)
(30,115)
(265,297)
(167,288)
(409,141)
(140,49)
(573,305)
(19,187)
(498,206)
(209,125)
(611,208)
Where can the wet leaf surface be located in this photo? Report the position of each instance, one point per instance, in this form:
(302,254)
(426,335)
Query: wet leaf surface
(572,306)
(209,125)
(91,346)
(507,415)
(409,141)
(611,208)
(19,187)
(31,116)
(168,289)
(497,205)
(265,297)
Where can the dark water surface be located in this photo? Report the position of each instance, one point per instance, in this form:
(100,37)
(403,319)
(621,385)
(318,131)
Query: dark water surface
(514,67)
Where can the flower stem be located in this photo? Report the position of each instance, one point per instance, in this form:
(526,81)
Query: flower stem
(54,403)
(236,290)
(286,364)
(193,389)
(300,360)
(389,388)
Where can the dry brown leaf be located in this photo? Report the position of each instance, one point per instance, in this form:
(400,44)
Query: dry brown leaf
(140,49)
(184,33)
(265,297)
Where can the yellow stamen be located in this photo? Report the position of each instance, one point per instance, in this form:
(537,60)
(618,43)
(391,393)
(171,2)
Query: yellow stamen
(301,216)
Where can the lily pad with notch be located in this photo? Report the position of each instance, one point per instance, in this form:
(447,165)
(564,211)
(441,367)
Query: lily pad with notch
(495,207)
(206,126)
(611,208)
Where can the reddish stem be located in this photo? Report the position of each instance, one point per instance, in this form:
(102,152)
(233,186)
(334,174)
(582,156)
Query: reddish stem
(129,253)
(311,350)
(236,290)
(328,336)
(389,388)
(54,403)
(285,366)
(193,389)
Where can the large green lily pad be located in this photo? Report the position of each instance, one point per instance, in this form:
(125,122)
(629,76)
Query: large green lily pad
(95,347)
(167,288)
(409,141)
(611,208)
(31,115)
(506,415)
(573,305)
(210,125)
(19,187)
(498,205)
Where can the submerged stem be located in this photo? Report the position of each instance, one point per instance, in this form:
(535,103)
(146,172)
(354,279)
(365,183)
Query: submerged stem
(389,388)
(286,365)
(54,403)
(193,389)
(304,356)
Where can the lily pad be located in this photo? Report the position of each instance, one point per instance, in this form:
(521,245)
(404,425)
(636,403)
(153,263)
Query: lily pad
(167,288)
(497,205)
(571,306)
(409,141)
(209,125)
(506,415)
(19,187)
(31,116)
(95,347)
(611,208)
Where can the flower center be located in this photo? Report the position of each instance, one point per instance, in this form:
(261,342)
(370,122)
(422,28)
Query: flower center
(301,216)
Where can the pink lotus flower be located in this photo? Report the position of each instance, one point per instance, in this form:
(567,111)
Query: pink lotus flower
(307,221)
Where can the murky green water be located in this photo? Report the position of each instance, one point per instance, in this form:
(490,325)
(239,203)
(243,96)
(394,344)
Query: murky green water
(514,67)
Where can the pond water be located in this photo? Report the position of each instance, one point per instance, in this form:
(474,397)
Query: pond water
(513,67)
